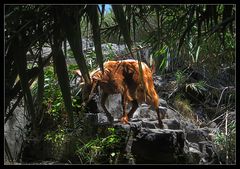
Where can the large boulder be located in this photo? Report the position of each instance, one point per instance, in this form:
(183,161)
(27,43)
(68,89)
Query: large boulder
(151,145)
(15,130)
(157,146)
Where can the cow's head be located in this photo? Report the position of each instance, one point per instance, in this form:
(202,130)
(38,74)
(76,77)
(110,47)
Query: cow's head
(90,89)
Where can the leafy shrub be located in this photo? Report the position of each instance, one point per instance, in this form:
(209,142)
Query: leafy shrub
(109,149)
(180,77)
(226,144)
(71,68)
(52,97)
(56,137)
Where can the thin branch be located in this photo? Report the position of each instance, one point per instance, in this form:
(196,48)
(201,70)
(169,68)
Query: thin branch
(221,98)
(214,119)
(226,136)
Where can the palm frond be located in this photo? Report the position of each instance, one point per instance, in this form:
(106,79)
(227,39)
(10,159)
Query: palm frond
(62,74)
(20,59)
(190,24)
(40,85)
(122,23)
(69,20)
(93,16)
(102,14)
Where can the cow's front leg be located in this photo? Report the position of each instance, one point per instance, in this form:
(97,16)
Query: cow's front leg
(134,108)
(103,100)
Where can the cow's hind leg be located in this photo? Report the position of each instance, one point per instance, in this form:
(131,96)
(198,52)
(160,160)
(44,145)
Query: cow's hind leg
(124,118)
(159,118)
(154,102)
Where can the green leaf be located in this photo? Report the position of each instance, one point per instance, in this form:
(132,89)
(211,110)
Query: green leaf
(163,63)
(62,74)
(58,104)
(93,16)
(40,88)
(197,54)
(190,24)
(70,22)
(102,14)
(122,23)
(20,58)
(113,154)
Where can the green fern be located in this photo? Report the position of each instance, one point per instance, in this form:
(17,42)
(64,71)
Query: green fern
(198,87)
(180,77)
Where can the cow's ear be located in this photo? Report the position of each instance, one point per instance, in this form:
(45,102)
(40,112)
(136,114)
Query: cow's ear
(96,78)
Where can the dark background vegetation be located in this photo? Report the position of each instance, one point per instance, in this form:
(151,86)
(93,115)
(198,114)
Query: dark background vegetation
(198,39)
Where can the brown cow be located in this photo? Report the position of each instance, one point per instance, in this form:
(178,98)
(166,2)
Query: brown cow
(124,77)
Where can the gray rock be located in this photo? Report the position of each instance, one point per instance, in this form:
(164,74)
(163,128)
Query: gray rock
(197,135)
(170,114)
(209,153)
(144,111)
(102,118)
(158,82)
(187,126)
(15,132)
(157,146)
(149,124)
(171,124)
(212,125)
(194,155)
(163,102)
